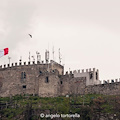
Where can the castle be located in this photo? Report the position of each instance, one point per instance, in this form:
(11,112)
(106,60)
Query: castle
(49,80)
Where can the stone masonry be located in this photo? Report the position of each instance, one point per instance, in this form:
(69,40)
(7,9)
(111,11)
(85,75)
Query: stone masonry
(49,80)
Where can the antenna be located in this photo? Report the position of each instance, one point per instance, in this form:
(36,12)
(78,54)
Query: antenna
(29,57)
(9,59)
(38,56)
(47,56)
(53,53)
(48,53)
(33,58)
(59,56)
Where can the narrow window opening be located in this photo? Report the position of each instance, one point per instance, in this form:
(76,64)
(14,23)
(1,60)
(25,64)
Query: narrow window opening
(40,72)
(96,76)
(24,86)
(61,82)
(91,75)
(23,75)
(47,79)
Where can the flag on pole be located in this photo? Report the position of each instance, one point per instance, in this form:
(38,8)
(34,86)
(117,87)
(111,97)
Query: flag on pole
(4,52)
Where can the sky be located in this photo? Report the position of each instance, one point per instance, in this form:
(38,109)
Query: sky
(86,31)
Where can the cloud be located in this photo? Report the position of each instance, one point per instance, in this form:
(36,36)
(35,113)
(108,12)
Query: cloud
(86,31)
(16,20)
(15,24)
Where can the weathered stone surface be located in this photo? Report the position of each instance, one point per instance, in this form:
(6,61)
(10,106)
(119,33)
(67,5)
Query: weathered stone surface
(12,79)
(106,89)
(47,80)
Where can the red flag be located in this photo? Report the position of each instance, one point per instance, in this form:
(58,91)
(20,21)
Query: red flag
(4,52)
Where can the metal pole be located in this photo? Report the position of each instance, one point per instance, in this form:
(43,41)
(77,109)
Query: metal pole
(29,56)
(9,59)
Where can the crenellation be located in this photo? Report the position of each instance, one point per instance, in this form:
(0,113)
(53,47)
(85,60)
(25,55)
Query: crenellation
(70,72)
(110,81)
(5,66)
(85,70)
(66,72)
(38,62)
(15,64)
(89,69)
(8,65)
(92,76)
(38,79)
(78,71)
(12,64)
(0,66)
(94,69)
(106,82)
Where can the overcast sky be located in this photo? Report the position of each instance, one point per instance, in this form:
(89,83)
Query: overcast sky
(86,31)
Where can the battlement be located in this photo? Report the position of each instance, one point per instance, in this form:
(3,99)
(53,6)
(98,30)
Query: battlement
(19,64)
(68,73)
(111,81)
(85,70)
(28,63)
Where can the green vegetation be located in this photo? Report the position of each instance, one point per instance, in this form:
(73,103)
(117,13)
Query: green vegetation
(29,107)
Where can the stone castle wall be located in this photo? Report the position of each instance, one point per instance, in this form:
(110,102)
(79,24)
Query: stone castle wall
(48,81)
(28,79)
(72,85)
(105,89)
(49,84)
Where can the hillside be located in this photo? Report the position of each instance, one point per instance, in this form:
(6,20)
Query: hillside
(84,107)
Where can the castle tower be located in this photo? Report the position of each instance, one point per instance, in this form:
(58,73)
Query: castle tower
(92,76)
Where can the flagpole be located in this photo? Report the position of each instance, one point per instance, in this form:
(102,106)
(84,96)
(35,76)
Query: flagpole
(9,59)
